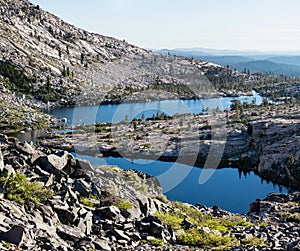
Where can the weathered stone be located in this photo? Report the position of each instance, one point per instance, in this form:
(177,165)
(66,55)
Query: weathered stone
(26,148)
(1,160)
(70,233)
(50,180)
(135,236)
(102,245)
(121,235)
(53,163)
(67,216)
(85,165)
(282,198)
(186,224)
(9,170)
(294,246)
(15,235)
(82,187)
(156,229)
(110,212)
(85,224)
(261,206)
(143,227)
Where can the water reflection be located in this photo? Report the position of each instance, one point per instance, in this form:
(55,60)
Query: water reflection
(229,188)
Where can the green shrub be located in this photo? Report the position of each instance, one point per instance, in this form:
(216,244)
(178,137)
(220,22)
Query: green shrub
(156,242)
(123,204)
(146,145)
(170,219)
(17,188)
(86,201)
(218,235)
(194,237)
(254,241)
(5,244)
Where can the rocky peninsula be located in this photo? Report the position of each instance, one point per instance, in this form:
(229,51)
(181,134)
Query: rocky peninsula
(266,142)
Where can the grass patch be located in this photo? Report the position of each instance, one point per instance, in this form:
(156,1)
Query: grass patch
(195,237)
(17,188)
(170,219)
(162,198)
(254,241)
(5,244)
(123,204)
(87,202)
(156,242)
(206,231)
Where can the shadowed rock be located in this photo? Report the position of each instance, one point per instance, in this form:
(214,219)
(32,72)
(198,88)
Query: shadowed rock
(14,235)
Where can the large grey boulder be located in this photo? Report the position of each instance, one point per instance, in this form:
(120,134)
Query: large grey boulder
(111,212)
(54,163)
(70,233)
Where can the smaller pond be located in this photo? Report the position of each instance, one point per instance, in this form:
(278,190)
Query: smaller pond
(227,188)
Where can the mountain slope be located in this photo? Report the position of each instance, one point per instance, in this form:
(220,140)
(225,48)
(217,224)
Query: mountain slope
(66,64)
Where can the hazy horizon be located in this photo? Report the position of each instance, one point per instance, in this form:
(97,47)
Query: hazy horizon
(267,26)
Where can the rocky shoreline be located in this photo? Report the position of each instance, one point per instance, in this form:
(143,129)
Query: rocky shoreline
(265,142)
(105,208)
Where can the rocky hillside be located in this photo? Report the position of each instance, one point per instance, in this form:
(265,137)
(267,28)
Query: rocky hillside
(45,57)
(53,201)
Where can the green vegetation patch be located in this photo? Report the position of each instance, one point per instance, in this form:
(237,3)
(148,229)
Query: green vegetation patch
(205,231)
(18,188)
(17,79)
(253,241)
(156,242)
(87,202)
(123,204)
(196,237)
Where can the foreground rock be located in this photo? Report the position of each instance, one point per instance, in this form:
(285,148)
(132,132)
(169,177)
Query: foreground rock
(105,208)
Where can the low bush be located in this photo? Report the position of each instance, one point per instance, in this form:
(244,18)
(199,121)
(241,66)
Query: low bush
(18,188)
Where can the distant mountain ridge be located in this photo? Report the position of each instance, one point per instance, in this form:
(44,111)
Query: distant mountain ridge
(254,61)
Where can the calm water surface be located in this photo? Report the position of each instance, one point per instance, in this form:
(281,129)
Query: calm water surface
(227,188)
(117,113)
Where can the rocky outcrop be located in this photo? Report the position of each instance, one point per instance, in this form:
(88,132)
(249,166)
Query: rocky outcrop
(276,140)
(105,208)
(94,207)
(283,211)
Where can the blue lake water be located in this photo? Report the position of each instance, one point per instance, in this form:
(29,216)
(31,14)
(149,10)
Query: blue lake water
(118,112)
(227,188)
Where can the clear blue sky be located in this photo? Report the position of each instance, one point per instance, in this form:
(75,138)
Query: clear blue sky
(269,25)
